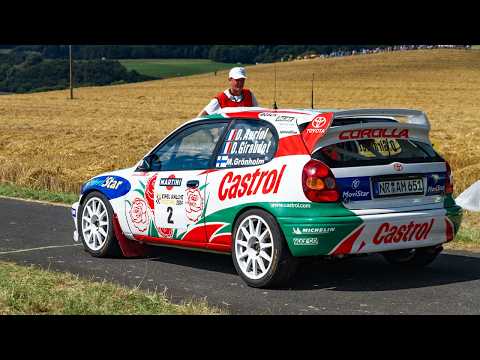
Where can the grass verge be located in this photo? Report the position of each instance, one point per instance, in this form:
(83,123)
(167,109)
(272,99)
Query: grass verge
(37,194)
(168,68)
(467,238)
(31,290)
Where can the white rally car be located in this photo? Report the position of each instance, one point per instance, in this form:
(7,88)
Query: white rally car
(272,186)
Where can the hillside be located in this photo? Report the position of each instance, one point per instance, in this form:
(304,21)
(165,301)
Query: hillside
(49,141)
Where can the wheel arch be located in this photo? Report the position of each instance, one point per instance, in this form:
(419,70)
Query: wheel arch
(89,191)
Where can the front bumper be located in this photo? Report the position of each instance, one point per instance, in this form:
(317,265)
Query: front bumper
(335,235)
(74,212)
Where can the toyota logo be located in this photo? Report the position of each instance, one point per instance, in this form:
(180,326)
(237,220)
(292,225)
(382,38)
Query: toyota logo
(319,122)
(398,167)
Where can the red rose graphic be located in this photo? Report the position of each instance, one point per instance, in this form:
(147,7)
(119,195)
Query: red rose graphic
(138,214)
(165,232)
(194,204)
(149,194)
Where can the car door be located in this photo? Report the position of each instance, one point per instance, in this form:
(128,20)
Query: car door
(244,173)
(175,188)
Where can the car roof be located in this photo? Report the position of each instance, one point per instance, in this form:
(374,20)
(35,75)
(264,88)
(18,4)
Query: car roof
(302,116)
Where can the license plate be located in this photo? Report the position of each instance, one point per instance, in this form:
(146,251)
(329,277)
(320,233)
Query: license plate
(398,187)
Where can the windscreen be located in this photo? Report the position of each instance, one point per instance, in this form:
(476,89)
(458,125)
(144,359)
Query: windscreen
(379,151)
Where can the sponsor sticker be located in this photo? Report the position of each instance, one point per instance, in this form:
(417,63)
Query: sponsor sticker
(312,230)
(283,118)
(236,186)
(436,184)
(305,241)
(111,183)
(354,188)
(288,132)
(267,115)
(414,231)
(112,186)
(169,199)
(291,205)
(170,182)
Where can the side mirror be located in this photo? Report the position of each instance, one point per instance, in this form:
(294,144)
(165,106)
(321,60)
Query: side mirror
(148,162)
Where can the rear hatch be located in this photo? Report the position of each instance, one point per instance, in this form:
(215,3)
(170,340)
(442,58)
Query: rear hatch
(382,164)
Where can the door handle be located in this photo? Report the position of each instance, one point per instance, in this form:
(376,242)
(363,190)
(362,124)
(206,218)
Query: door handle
(192,183)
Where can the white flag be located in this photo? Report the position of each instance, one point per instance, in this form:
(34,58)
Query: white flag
(470,198)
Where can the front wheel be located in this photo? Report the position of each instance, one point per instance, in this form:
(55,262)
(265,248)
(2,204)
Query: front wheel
(413,257)
(259,250)
(95,226)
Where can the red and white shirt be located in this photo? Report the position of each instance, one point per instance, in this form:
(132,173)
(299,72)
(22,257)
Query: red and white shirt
(226,99)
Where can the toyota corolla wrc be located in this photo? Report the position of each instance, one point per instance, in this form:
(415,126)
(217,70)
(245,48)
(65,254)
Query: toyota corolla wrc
(274,186)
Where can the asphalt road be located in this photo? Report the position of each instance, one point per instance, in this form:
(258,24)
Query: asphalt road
(41,234)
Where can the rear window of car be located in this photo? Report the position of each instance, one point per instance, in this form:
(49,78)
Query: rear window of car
(380,151)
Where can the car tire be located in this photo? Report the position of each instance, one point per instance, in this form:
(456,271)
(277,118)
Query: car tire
(95,226)
(419,257)
(259,252)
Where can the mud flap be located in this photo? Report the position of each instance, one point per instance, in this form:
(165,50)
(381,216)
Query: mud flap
(128,247)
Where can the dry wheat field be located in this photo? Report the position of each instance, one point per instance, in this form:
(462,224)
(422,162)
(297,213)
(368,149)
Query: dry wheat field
(51,142)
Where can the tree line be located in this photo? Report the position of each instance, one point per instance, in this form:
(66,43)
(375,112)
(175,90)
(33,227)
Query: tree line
(26,71)
(245,54)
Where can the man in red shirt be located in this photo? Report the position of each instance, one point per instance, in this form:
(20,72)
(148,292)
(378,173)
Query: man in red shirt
(233,97)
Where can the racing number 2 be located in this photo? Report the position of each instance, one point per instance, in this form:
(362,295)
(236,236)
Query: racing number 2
(170,213)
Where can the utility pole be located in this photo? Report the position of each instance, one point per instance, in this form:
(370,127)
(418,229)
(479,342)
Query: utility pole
(71,72)
(313,78)
(275,86)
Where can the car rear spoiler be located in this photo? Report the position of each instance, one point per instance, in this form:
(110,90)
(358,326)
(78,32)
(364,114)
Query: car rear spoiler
(415,117)
(416,126)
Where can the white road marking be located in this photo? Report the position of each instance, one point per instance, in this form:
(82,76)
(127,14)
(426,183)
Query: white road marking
(39,248)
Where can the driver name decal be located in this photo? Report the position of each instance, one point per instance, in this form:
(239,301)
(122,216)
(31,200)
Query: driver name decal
(246,147)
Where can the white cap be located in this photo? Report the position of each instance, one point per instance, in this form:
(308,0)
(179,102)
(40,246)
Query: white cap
(237,73)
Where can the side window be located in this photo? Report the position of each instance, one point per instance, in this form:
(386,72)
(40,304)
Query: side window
(247,143)
(191,149)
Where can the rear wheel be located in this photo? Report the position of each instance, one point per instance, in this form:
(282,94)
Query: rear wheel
(413,257)
(259,250)
(96,228)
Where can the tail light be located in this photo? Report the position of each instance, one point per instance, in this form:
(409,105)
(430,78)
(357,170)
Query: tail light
(449,180)
(318,182)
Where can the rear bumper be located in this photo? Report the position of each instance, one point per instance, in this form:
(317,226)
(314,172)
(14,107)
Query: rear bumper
(370,233)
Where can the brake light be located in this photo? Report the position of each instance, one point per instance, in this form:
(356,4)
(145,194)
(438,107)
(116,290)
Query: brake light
(318,182)
(449,181)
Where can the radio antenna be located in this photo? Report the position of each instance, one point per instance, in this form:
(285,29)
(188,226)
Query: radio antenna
(313,78)
(275,86)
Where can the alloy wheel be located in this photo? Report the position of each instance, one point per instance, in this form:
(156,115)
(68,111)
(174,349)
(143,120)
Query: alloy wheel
(254,247)
(95,224)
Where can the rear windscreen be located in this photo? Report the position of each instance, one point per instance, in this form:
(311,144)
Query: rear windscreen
(379,151)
